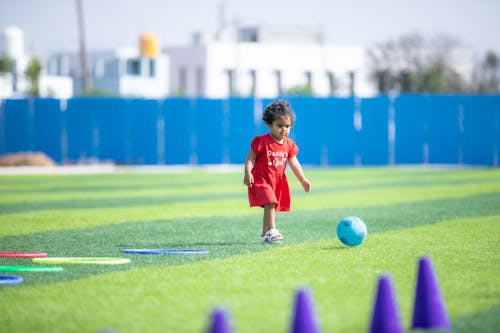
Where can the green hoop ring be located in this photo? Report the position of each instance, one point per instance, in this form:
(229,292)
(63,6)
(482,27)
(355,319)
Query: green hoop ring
(30,269)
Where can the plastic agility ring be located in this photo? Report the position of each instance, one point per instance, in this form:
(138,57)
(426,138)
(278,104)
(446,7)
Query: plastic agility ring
(30,269)
(81,260)
(10,279)
(164,251)
(23,254)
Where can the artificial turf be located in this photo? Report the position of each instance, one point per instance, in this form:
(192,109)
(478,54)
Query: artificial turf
(453,215)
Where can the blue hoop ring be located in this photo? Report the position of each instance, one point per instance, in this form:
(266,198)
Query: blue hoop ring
(10,279)
(164,251)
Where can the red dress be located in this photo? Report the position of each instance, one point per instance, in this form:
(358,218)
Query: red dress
(270,183)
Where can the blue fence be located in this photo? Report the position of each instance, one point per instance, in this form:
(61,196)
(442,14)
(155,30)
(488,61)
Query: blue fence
(451,129)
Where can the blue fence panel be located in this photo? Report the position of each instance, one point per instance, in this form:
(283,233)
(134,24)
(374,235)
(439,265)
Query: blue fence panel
(48,127)
(455,128)
(309,129)
(211,131)
(497,133)
(338,125)
(114,130)
(410,120)
(241,128)
(17,126)
(260,126)
(479,129)
(144,118)
(178,139)
(443,129)
(2,126)
(374,133)
(82,128)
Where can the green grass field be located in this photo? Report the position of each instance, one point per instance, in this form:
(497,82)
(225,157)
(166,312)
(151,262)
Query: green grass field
(452,215)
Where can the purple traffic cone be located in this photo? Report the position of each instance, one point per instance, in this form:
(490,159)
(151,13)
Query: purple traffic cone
(385,317)
(220,322)
(429,311)
(304,317)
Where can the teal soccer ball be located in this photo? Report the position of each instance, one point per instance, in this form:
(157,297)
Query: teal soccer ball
(351,231)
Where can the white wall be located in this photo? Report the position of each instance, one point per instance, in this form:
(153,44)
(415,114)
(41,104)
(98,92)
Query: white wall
(187,59)
(56,86)
(110,75)
(147,86)
(292,60)
(6,85)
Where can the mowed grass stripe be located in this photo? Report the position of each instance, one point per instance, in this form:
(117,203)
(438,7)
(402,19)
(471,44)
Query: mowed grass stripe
(151,194)
(230,235)
(144,191)
(29,188)
(258,288)
(62,219)
(103,212)
(82,191)
(110,200)
(321,200)
(109,181)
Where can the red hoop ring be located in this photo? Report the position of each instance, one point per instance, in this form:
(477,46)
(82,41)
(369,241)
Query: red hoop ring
(23,254)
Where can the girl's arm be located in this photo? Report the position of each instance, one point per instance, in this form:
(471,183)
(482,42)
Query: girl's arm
(248,178)
(297,170)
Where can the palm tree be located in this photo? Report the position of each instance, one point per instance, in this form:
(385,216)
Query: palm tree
(6,64)
(32,72)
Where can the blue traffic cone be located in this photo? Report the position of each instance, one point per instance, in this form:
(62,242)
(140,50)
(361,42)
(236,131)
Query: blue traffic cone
(304,316)
(385,317)
(220,322)
(429,311)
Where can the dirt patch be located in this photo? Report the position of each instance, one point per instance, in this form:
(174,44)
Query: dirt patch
(26,159)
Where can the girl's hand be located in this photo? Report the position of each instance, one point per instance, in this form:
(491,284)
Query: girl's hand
(248,180)
(249,161)
(306,185)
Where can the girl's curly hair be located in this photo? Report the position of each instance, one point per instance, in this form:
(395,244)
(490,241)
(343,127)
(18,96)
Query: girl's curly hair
(278,108)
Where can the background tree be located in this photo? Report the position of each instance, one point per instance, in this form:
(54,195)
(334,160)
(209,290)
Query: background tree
(299,90)
(6,64)
(489,74)
(32,72)
(413,64)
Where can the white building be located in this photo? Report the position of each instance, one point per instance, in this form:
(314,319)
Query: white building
(266,62)
(128,73)
(140,71)
(15,83)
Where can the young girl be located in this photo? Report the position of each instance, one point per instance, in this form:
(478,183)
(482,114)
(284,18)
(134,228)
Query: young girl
(265,168)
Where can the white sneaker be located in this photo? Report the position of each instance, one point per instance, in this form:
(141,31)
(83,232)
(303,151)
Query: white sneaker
(271,236)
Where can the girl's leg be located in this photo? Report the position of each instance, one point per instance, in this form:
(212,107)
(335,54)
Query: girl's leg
(269,216)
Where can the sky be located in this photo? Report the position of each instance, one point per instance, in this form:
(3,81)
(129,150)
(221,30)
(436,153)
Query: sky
(51,25)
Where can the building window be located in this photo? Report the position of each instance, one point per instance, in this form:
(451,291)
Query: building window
(248,35)
(308,76)
(231,81)
(133,67)
(253,81)
(352,83)
(182,80)
(152,67)
(279,81)
(99,68)
(332,83)
(200,82)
